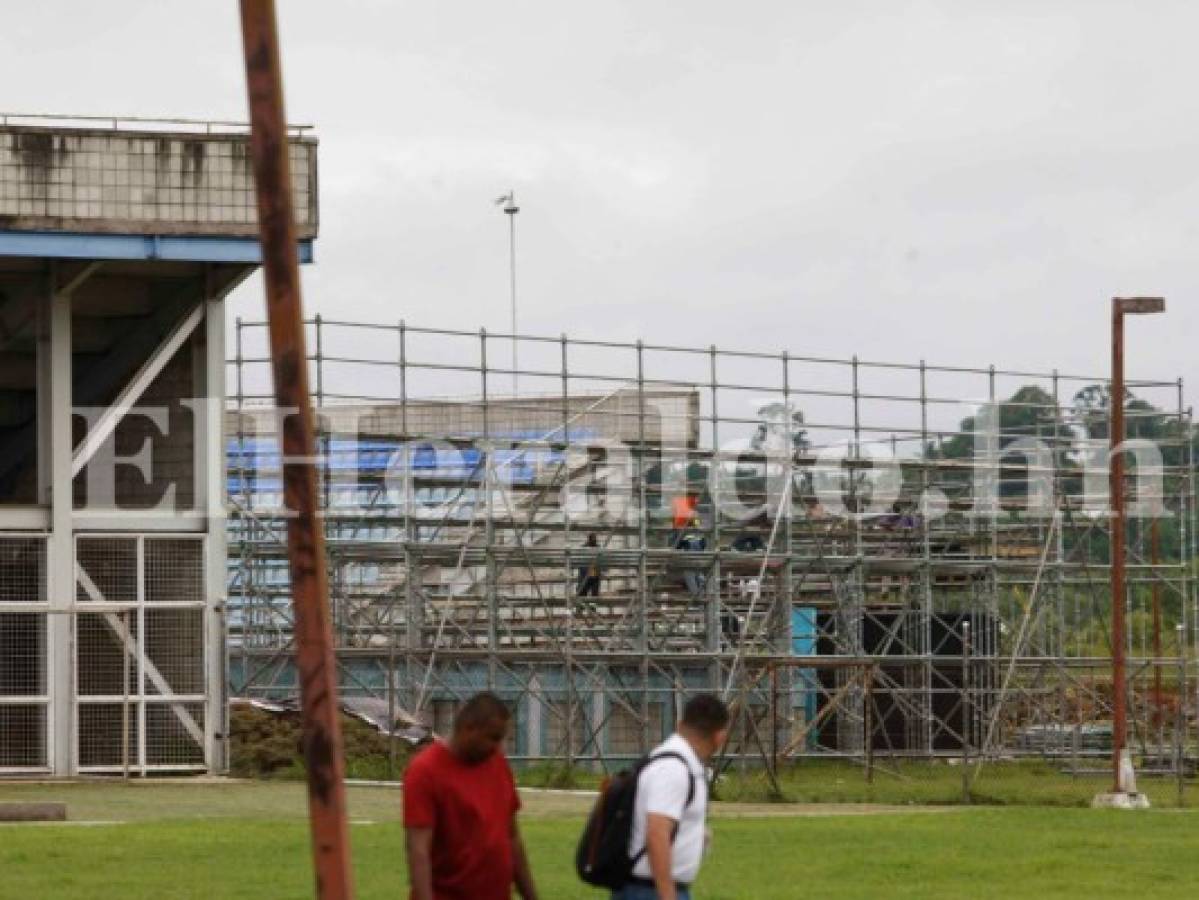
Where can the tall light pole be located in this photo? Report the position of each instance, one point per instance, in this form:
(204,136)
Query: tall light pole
(1121,306)
(508,202)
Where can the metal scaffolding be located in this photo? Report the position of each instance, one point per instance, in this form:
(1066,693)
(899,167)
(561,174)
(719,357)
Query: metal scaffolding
(869,559)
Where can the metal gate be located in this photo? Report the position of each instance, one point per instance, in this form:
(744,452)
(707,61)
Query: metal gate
(24,699)
(140,653)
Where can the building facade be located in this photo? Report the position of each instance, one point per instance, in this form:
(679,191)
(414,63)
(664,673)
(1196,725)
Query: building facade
(119,241)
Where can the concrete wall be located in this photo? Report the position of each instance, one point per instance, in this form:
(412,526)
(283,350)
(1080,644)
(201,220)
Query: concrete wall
(671,418)
(119,182)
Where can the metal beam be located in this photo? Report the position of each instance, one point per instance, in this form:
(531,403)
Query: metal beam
(1121,306)
(32,297)
(169,248)
(73,279)
(210,501)
(61,545)
(137,386)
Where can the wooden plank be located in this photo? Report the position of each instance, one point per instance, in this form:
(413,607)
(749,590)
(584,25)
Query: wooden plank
(40,811)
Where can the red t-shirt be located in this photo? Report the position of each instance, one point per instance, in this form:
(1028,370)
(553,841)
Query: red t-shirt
(470,810)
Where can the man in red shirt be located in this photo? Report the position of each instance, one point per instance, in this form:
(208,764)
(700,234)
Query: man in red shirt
(460,806)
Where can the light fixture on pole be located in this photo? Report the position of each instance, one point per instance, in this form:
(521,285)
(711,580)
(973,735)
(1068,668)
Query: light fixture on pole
(1124,793)
(508,202)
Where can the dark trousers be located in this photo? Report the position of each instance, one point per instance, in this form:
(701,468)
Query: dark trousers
(588,585)
(645,892)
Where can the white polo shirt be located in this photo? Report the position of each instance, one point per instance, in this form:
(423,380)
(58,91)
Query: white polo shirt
(662,789)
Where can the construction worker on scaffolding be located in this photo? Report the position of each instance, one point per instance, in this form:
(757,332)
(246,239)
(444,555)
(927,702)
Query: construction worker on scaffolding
(693,539)
(589,573)
(682,513)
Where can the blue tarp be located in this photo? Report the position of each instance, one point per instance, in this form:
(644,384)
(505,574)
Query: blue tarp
(803,643)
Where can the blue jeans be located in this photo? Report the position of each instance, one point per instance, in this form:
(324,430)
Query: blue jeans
(641,892)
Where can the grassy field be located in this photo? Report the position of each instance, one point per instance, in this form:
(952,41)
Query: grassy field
(192,840)
(1023,783)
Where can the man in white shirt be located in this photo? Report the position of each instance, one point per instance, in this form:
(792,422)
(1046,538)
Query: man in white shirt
(671,806)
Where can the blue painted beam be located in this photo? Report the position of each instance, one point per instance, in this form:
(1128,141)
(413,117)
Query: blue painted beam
(172,248)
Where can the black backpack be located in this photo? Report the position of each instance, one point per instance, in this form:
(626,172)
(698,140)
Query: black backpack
(602,858)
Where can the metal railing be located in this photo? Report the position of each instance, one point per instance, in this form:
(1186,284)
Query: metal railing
(138,124)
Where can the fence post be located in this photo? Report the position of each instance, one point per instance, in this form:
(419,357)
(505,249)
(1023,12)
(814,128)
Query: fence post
(1180,718)
(966,712)
(868,724)
(126,638)
(774,720)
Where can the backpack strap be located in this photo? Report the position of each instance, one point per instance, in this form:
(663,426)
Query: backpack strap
(690,777)
(667,754)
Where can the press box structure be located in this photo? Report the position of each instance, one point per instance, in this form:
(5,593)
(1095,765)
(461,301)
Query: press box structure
(119,241)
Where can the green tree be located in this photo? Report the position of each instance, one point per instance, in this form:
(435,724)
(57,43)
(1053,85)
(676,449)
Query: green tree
(1030,412)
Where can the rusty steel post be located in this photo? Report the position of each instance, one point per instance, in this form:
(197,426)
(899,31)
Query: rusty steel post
(322,743)
(1120,307)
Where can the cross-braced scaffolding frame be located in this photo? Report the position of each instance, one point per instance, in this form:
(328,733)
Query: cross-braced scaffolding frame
(867,558)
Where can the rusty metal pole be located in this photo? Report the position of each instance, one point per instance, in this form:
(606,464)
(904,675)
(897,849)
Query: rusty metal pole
(1116,491)
(322,743)
(1120,307)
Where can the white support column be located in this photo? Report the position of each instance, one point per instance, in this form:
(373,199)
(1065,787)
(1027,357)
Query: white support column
(210,500)
(144,666)
(61,568)
(42,400)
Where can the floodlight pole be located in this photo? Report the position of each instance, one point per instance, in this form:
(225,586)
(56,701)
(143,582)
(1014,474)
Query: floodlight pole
(1121,306)
(511,209)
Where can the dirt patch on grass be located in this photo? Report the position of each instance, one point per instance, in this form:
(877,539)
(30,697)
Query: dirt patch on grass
(266,744)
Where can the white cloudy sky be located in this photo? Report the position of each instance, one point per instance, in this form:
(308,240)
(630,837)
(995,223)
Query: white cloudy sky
(963,181)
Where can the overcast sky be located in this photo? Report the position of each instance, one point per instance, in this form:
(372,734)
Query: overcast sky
(966,182)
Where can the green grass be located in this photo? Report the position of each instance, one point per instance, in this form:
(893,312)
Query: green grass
(249,840)
(979,853)
(550,775)
(1024,783)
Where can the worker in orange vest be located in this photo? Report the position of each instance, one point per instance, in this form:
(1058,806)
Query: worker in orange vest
(682,514)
